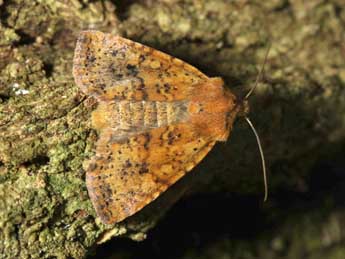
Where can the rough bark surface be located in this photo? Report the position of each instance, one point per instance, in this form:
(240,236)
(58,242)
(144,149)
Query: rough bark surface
(298,110)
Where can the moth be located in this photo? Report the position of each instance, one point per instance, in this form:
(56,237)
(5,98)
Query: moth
(157,117)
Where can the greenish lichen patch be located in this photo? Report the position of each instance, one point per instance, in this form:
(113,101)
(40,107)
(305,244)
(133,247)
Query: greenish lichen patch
(44,132)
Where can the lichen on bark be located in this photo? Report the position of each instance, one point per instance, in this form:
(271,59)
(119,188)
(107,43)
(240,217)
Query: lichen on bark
(44,134)
(298,110)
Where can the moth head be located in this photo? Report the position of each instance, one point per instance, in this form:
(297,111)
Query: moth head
(243,108)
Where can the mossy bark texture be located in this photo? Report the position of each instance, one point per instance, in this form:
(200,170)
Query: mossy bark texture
(298,109)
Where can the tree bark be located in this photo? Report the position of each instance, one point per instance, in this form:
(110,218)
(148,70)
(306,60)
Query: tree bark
(298,109)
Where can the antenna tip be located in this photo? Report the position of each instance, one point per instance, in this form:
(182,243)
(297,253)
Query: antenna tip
(263,163)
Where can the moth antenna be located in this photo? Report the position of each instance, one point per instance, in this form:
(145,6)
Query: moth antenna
(258,78)
(262,156)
